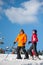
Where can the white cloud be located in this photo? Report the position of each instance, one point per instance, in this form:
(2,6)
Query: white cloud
(1,2)
(12,1)
(25,14)
(42,7)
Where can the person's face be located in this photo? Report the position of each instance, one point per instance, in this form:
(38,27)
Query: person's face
(32,50)
(33,32)
(21,32)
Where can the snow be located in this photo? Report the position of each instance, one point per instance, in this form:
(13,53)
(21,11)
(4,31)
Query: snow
(10,59)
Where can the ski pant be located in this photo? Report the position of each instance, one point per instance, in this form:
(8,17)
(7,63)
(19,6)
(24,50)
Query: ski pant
(18,52)
(34,47)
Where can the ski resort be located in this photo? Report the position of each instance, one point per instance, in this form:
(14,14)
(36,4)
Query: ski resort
(8,56)
(21,32)
(9,59)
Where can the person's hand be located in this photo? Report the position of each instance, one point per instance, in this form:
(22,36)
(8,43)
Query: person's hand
(23,43)
(29,42)
(14,42)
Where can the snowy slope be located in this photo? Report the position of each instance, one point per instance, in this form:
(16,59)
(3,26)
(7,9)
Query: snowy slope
(10,59)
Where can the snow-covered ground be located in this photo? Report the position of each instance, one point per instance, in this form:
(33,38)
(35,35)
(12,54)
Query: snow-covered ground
(10,59)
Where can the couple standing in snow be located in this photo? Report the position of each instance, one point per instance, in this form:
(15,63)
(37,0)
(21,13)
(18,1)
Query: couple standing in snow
(21,39)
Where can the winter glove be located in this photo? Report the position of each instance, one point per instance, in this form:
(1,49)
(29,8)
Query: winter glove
(14,42)
(29,42)
(23,43)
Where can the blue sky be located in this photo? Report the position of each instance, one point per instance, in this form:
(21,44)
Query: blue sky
(21,14)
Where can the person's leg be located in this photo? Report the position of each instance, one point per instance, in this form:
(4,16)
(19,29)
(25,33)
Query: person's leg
(35,49)
(30,50)
(18,53)
(26,54)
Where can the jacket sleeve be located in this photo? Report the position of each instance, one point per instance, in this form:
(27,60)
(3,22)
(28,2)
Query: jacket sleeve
(34,38)
(25,38)
(37,39)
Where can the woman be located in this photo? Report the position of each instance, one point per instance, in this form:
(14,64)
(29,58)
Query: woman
(34,40)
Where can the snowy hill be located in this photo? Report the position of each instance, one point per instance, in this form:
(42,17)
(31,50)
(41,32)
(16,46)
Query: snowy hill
(9,59)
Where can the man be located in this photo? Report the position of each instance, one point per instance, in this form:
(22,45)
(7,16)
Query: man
(21,40)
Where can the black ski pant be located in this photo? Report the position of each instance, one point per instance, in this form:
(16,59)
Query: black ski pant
(34,47)
(18,52)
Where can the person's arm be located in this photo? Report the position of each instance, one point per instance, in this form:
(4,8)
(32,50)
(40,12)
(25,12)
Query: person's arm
(25,39)
(35,38)
(16,40)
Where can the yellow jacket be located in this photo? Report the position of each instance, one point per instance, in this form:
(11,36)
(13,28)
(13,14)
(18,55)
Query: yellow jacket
(21,39)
